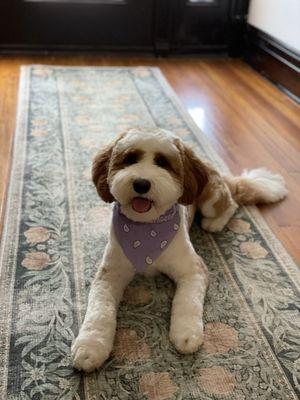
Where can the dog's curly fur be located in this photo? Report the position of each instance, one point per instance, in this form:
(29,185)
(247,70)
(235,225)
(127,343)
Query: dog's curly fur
(177,175)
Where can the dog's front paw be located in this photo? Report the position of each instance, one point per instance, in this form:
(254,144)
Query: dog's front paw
(187,334)
(88,353)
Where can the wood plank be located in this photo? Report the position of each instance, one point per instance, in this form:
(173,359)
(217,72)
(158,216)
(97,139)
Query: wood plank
(249,122)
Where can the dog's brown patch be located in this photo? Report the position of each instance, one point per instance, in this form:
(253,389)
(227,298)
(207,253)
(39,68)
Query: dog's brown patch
(194,174)
(216,185)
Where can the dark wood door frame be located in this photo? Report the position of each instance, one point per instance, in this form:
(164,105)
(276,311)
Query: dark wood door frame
(161,27)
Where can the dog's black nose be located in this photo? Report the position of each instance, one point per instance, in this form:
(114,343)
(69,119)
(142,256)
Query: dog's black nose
(141,186)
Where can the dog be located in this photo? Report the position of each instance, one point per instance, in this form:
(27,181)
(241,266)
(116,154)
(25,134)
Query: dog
(157,183)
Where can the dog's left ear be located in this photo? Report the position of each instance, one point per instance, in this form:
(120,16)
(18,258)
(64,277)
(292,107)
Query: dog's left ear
(100,173)
(195,174)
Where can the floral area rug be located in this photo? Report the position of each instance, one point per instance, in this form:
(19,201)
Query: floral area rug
(55,230)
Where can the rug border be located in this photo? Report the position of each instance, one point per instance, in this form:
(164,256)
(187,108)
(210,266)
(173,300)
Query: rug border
(261,338)
(14,192)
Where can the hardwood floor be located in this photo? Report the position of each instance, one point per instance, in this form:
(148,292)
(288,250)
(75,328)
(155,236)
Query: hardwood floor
(249,121)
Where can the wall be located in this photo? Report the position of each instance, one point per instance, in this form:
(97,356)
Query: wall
(278,18)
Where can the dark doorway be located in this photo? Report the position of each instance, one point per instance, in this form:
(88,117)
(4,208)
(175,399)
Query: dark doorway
(162,26)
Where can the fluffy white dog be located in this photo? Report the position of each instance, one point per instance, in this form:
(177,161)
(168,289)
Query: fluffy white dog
(157,183)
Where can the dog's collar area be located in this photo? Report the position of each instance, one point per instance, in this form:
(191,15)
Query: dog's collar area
(169,214)
(144,242)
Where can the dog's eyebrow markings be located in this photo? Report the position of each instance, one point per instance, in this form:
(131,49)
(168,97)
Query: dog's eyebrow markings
(131,156)
(138,152)
(162,161)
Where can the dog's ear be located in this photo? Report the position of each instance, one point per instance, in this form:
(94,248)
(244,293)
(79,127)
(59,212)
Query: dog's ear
(100,170)
(195,174)
(100,173)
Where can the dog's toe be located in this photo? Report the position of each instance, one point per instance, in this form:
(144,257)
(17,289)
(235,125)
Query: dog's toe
(188,344)
(88,354)
(188,337)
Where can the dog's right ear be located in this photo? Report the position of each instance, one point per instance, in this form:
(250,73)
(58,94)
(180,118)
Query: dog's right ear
(100,173)
(100,170)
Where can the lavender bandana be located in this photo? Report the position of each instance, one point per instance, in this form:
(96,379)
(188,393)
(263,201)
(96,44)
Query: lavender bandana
(144,242)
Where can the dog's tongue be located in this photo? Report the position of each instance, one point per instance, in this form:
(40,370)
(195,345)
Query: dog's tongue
(141,205)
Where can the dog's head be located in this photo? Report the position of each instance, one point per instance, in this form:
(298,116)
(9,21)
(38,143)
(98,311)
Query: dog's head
(147,171)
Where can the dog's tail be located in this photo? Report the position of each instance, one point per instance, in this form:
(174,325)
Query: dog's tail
(257,186)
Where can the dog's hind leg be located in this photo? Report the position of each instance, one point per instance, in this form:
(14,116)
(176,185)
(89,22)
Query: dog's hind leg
(216,204)
(217,223)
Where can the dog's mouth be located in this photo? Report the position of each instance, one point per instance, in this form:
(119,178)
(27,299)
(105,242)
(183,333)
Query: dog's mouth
(141,204)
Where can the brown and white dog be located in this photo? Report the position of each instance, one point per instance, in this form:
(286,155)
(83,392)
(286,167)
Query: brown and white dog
(173,175)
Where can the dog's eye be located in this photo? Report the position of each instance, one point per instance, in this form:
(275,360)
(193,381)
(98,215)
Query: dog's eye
(161,161)
(131,158)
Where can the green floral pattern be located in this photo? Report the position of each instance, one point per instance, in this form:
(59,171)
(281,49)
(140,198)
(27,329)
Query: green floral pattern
(55,233)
